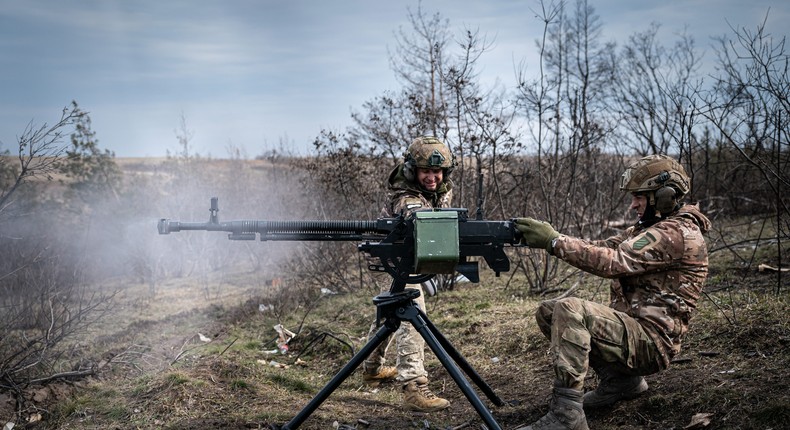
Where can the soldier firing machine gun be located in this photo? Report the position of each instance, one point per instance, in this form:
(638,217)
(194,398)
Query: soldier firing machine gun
(412,250)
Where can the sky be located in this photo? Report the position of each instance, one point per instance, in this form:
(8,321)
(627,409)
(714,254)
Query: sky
(249,75)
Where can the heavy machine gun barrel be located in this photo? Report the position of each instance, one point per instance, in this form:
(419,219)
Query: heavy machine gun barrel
(411,249)
(345,230)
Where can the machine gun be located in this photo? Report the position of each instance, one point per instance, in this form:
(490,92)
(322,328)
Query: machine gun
(433,241)
(412,250)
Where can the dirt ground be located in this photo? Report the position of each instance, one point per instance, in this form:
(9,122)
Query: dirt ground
(732,373)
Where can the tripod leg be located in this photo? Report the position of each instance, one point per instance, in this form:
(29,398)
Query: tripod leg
(381,335)
(412,314)
(462,363)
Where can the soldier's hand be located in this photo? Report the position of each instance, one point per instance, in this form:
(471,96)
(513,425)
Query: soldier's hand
(536,234)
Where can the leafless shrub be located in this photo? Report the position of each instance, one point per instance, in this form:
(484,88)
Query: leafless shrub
(44,302)
(43,277)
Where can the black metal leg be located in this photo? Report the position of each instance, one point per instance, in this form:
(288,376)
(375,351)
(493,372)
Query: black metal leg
(415,317)
(393,308)
(462,363)
(345,372)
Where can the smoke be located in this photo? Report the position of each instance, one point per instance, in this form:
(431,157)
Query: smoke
(182,191)
(108,242)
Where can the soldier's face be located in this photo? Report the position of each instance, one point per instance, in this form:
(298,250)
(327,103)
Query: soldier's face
(430,179)
(639,204)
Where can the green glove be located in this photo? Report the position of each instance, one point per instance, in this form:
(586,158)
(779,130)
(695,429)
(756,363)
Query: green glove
(536,234)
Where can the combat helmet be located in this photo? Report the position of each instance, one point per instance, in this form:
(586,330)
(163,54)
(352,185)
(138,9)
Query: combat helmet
(662,179)
(427,152)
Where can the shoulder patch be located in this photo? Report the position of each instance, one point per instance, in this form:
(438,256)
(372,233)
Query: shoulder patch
(409,204)
(644,241)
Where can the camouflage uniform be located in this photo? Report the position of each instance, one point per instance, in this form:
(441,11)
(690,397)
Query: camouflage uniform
(658,274)
(405,198)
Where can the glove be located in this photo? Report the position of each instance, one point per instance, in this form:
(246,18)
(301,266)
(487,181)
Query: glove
(536,234)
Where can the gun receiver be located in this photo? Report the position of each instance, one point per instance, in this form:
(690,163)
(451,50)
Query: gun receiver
(410,249)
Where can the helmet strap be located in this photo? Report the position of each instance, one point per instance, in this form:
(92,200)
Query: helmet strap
(661,203)
(649,217)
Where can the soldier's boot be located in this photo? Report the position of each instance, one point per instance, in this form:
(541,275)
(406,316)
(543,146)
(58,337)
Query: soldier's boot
(565,412)
(374,377)
(613,387)
(418,397)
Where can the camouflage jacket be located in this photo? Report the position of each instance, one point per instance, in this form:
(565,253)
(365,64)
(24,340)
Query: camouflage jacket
(406,196)
(658,272)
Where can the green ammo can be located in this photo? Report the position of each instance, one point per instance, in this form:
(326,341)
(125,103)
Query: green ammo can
(436,248)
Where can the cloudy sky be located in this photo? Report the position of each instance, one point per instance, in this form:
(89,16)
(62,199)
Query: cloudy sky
(248,74)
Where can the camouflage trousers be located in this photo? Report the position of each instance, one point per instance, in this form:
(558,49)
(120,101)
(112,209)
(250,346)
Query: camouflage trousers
(586,334)
(409,346)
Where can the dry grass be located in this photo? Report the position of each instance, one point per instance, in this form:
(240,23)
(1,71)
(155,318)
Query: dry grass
(734,365)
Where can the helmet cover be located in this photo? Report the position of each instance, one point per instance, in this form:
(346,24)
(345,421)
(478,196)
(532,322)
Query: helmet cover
(653,172)
(427,152)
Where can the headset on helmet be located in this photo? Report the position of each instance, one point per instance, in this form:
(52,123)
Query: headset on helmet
(427,152)
(661,178)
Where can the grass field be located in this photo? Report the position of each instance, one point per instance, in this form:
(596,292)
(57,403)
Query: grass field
(158,373)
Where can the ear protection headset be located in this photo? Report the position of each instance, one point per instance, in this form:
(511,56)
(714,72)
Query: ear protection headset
(409,167)
(666,196)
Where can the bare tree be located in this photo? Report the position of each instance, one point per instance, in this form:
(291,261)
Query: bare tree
(750,109)
(442,96)
(483,122)
(656,95)
(570,178)
(387,123)
(38,149)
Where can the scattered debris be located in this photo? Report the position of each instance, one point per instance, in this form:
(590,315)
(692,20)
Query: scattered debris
(265,308)
(285,336)
(767,268)
(326,291)
(203,338)
(699,420)
(273,363)
(461,278)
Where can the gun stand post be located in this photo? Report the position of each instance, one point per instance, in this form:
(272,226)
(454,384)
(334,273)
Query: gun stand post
(393,307)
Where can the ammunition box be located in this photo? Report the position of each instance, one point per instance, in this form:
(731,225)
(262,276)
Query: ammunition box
(436,248)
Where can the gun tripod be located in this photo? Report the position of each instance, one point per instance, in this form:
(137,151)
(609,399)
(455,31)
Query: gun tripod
(393,307)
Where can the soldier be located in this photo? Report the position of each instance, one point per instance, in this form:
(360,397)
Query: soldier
(419,182)
(658,267)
